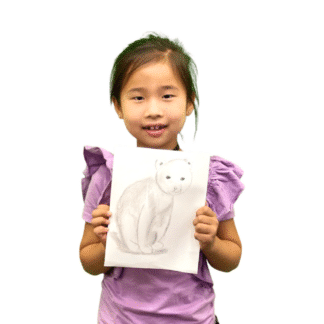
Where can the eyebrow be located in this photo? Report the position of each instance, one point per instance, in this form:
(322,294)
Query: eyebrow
(166,87)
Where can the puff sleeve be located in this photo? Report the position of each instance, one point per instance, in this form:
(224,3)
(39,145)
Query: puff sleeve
(224,187)
(96,184)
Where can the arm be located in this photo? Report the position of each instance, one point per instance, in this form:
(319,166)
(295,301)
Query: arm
(225,252)
(219,241)
(92,247)
(92,252)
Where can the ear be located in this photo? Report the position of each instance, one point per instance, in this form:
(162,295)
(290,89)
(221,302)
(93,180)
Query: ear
(158,164)
(188,162)
(190,106)
(118,108)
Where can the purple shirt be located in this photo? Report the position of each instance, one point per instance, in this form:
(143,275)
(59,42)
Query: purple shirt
(156,296)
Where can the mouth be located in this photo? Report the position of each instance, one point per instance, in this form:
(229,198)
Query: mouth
(155,130)
(154,127)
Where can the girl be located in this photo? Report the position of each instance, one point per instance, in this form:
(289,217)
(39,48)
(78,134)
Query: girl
(153,89)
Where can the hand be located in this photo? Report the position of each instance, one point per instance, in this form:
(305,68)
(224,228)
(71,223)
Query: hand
(206,226)
(100,222)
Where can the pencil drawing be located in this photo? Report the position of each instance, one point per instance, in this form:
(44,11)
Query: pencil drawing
(144,209)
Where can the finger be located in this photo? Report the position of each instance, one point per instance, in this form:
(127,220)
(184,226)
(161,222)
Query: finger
(203,228)
(103,212)
(204,219)
(205,210)
(100,230)
(97,221)
(104,206)
(202,238)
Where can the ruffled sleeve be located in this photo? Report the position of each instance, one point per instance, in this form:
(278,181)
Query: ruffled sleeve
(224,187)
(96,184)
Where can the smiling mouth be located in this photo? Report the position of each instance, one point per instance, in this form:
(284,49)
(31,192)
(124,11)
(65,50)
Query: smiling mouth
(155,130)
(156,127)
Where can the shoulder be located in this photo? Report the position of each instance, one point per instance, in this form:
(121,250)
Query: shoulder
(224,185)
(97,179)
(219,166)
(96,156)
(99,166)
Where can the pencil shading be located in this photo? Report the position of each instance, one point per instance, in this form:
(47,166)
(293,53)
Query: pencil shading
(145,207)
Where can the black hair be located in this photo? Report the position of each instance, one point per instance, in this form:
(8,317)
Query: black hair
(154,48)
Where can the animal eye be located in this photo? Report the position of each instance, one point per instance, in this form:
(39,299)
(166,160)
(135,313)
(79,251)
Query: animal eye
(182,179)
(168,177)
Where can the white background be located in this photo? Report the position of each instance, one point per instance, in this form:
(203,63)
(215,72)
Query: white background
(261,87)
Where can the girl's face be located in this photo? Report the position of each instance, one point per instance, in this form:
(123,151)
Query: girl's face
(154,106)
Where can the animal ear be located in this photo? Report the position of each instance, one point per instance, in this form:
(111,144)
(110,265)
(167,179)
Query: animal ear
(188,162)
(158,164)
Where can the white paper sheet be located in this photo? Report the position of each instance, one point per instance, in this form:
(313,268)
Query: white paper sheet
(154,198)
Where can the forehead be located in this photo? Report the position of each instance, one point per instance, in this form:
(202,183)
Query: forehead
(154,74)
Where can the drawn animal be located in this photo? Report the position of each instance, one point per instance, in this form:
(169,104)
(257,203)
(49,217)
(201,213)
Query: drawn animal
(145,207)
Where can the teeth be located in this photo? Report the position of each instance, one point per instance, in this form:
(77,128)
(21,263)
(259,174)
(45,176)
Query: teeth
(155,127)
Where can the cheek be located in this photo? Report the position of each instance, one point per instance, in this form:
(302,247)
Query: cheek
(131,122)
(131,116)
(177,114)
(181,118)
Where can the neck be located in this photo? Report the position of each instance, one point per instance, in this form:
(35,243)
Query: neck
(177,148)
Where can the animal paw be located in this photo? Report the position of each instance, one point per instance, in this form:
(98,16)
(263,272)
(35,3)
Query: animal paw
(158,246)
(146,249)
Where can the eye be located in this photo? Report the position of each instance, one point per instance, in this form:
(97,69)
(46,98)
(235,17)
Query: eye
(168,177)
(168,96)
(182,179)
(138,98)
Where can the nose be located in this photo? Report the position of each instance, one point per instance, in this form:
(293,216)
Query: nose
(176,187)
(153,109)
